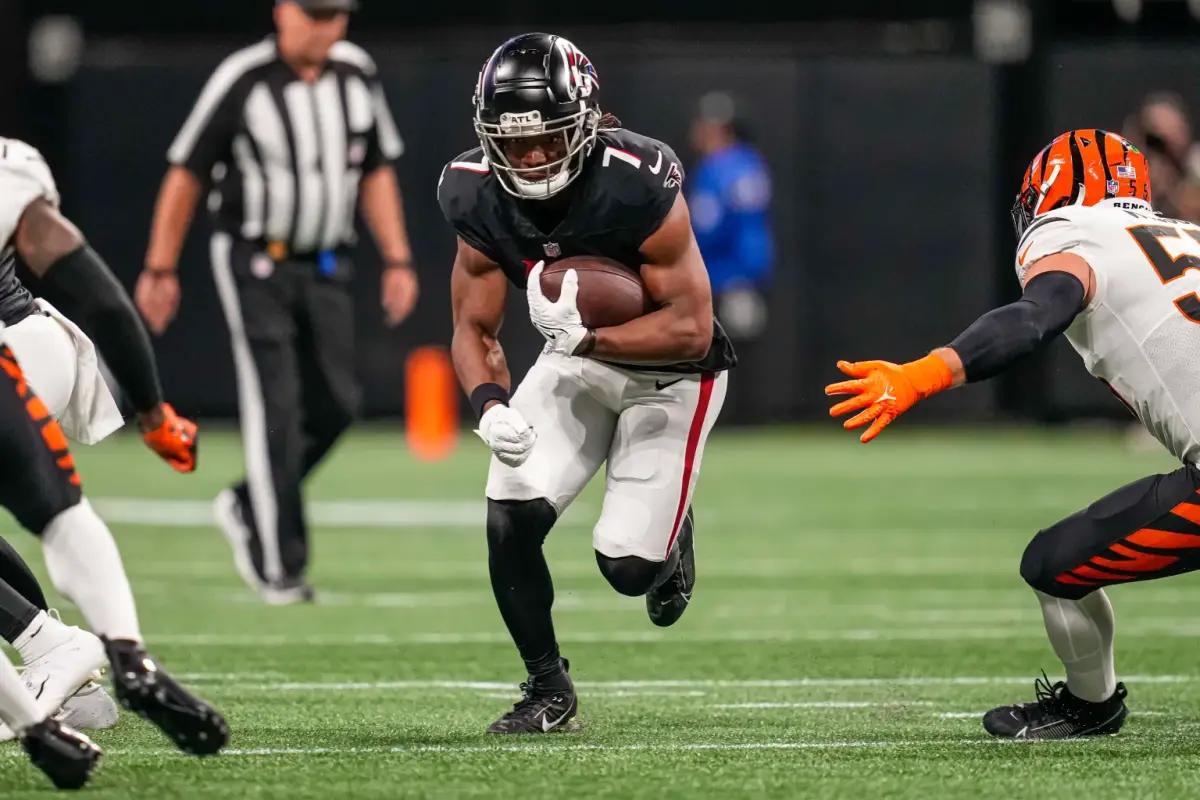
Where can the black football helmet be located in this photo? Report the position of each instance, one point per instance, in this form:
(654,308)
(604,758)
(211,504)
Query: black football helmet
(537,84)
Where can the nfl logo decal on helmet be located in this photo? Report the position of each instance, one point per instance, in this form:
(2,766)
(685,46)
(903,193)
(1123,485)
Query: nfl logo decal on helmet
(1081,167)
(537,85)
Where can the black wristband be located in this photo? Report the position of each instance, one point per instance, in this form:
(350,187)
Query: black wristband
(485,393)
(82,285)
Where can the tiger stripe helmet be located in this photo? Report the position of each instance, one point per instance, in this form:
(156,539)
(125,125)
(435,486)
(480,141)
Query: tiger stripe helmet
(1081,167)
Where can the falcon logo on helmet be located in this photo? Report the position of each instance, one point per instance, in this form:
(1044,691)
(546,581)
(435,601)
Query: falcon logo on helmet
(1081,167)
(581,76)
(537,86)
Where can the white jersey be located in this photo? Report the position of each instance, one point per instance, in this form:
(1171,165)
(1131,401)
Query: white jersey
(1140,333)
(24,177)
(57,357)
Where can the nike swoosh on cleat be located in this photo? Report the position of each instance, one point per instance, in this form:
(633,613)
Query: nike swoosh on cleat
(38,694)
(547,725)
(1048,725)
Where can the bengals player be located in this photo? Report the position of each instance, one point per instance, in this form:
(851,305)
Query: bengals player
(1097,264)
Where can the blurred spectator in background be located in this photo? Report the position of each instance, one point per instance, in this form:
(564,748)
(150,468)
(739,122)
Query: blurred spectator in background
(730,196)
(1187,194)
(1161,128)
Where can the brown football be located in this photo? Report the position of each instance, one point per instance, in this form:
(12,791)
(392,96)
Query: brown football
(609,292)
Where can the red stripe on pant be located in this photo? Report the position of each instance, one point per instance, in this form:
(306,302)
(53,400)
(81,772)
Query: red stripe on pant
(707,380)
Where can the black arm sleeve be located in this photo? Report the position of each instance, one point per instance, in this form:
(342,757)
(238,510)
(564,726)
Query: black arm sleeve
(1050,303)
(82,284)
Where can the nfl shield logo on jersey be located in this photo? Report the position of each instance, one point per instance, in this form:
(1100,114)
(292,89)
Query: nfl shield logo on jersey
(552,249)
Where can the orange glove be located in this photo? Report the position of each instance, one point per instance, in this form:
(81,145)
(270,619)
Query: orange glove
(175,440)
(886,390)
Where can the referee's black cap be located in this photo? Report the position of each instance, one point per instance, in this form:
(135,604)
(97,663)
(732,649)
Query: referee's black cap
(324,5)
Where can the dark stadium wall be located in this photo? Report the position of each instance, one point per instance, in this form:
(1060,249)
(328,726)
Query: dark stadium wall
(883,203)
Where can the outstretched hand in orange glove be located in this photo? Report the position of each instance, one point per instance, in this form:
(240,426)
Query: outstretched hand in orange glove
(883,391)
(172,437)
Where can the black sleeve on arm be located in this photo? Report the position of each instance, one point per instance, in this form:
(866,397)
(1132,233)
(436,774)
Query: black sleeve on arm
(1050,303)
(83,286)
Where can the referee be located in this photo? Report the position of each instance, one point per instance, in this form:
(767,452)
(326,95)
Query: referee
(292,135)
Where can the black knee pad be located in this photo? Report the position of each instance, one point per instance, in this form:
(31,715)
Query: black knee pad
(519,523)
(1039,569)
(629,575)
(1032,561)
(35,512)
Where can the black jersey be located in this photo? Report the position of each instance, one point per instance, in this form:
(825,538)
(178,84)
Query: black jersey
(628,186)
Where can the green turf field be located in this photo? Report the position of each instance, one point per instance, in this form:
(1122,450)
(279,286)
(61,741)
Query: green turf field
(857,609)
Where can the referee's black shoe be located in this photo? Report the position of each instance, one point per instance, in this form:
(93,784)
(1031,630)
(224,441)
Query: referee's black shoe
(548,704)
(666,602)
(66,756)
(1057,714)
(147,690)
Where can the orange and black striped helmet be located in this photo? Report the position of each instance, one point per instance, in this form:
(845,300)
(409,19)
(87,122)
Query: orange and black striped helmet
(1081,167)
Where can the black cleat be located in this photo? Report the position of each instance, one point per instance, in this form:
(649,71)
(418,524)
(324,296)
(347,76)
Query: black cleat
(548,704)
(147,690)
(66,756)
(1057,714)
(666,602)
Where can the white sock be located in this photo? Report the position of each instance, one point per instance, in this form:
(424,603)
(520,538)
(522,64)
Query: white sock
(86,568)
(43,634)
(1081,632)
(17,707)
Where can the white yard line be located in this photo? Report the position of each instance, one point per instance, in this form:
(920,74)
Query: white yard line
(542,747)
(891,634)
(439,513)
(595,637)
(634,685)
(357,513)
(817,704)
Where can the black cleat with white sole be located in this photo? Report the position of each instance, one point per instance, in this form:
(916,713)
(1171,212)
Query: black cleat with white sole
(548,704)
(147,690)
(1057,714)
(666,602)
(66,756)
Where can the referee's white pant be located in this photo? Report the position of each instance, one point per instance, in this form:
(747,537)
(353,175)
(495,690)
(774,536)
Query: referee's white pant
(292,331)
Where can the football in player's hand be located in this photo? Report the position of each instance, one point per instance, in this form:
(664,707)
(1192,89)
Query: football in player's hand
(609,292)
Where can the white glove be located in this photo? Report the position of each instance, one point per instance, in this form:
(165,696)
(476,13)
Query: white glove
(507,433)
(559,322)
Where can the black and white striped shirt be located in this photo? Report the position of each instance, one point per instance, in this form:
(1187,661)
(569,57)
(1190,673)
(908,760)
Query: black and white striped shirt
(285,157)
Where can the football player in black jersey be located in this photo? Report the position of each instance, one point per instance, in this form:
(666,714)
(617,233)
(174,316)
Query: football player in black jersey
(554,177)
